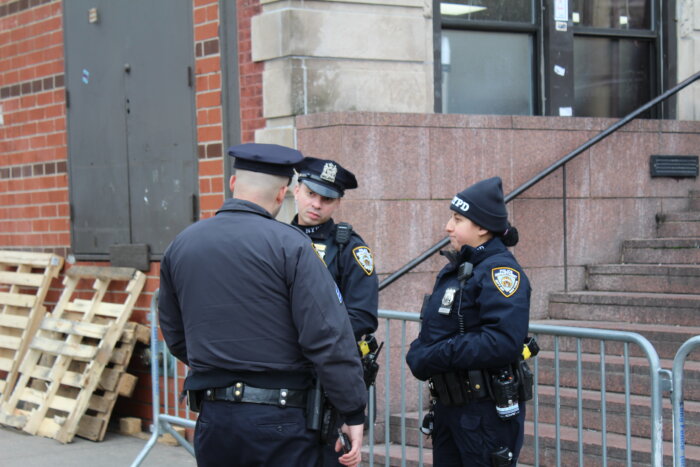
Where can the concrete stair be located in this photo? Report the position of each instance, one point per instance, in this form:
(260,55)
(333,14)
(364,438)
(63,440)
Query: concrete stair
(649,278)
(662,251)
(679,224)
(568,442)
(654,291)
(665,337)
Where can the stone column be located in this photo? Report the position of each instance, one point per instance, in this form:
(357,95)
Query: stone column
(328,56)
(688,14)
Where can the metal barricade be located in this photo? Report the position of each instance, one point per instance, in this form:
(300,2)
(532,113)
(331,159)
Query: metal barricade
(659,380)
(656,375)
(162,422)
(677,400)
(395,324)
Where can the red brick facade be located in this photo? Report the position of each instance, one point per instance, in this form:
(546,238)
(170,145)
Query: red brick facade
(34,185)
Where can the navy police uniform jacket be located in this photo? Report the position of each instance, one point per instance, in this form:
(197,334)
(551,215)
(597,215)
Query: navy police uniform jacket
(495,304)
(245,297)
(352,267)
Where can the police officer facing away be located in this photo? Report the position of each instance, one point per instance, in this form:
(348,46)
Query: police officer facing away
(246,302)
(474,325)
(322,184)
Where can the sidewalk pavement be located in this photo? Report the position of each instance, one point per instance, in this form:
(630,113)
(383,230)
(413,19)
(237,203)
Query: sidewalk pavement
(19,449)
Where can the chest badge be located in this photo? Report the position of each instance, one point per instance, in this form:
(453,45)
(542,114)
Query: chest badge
(506,280)
(363,256)
(447,300)
(320,250)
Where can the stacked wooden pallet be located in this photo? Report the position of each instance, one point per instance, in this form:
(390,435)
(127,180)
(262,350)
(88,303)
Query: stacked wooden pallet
(115,382)
(25,278)
(70,376)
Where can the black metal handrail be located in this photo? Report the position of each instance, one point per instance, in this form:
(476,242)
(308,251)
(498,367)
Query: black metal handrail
(537,178)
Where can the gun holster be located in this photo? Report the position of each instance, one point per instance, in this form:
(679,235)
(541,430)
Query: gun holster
(314,407)
(194,400)
(526,380)
(330,424)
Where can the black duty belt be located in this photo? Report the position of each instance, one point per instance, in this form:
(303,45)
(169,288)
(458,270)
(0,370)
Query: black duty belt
(459,387)
(240,392)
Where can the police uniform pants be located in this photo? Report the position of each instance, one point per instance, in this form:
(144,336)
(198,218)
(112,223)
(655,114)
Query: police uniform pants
(240,434)
(468,435)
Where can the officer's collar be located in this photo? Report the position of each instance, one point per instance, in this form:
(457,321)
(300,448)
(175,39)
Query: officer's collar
(315,231)
(476,254)
(241,205)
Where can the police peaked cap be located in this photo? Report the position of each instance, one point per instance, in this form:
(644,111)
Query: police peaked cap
(266,158)
(326,177)
(483,204)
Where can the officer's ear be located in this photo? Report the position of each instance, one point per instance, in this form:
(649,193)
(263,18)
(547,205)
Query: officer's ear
(279,199)
(231,182)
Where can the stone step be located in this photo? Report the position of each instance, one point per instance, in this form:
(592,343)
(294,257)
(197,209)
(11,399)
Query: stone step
(678,224)
(694,203)
(640,412)
(413,436)
(678,278)
(661,251)
(639,378)
(666,339)
(649,308)
(395,455)
(592,448)
(546,444)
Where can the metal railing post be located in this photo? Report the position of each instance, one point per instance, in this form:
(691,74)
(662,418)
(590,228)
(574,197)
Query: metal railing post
(161,421)
(677,400)
(155,383)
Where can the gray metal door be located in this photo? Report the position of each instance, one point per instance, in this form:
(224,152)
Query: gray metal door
(131,122)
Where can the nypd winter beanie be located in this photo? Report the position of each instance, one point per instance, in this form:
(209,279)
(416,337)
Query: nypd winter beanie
(483,204)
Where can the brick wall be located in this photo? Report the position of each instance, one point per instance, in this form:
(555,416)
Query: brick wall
(34,200)
(250,73)
(33,169)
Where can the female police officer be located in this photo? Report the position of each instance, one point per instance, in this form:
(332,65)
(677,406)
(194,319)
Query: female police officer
(474,326)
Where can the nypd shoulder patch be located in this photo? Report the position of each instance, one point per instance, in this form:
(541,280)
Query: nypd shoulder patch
(363,256)
(506,280)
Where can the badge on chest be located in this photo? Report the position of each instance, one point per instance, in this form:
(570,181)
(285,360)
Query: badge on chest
(320,249)
(447,300)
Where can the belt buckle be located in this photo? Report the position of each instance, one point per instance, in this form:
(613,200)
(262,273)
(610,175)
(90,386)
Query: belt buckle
(235,392)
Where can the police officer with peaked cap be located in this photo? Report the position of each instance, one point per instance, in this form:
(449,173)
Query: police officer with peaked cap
(322,184)
(473,328)
(246,302)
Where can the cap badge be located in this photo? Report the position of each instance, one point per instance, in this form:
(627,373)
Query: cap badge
(460,204)
(506,280)
(363,256)
(330,170)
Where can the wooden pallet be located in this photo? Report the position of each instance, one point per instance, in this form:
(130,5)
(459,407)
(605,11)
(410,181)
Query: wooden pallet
(115,382)
(25,278)
(70,351)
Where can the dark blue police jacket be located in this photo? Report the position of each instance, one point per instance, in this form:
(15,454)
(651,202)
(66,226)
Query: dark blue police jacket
(495,305)
(245,296)
(352,267)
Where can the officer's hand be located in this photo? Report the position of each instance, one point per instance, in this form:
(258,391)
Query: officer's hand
(353,457)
